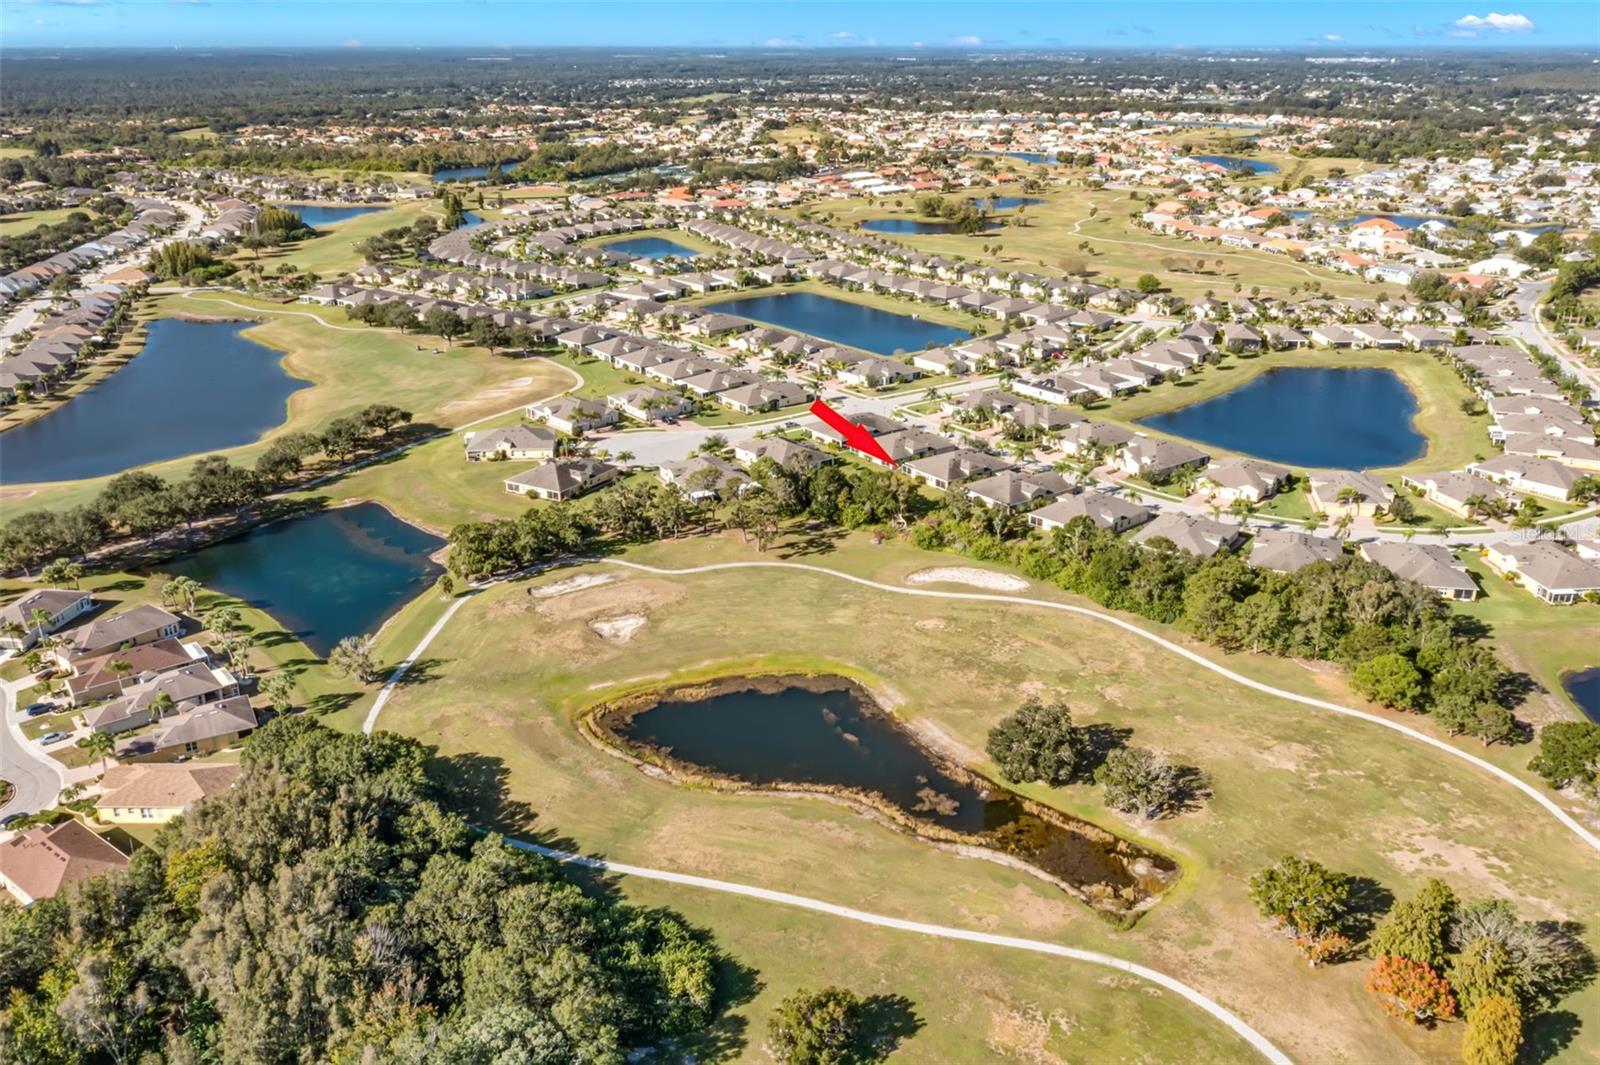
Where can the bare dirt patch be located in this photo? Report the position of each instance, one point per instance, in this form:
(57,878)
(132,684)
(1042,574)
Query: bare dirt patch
(619,629)
(989,580)
(575,583)
(502,391)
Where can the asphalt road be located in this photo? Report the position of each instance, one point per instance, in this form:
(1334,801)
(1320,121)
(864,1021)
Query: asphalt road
(37,777)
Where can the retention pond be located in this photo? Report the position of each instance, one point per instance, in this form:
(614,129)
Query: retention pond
(827,736)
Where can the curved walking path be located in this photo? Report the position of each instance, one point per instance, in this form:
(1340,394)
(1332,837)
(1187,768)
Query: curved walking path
(1258,261)
(784,898)
(1566,819)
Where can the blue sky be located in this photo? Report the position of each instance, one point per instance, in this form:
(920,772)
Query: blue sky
(813,24)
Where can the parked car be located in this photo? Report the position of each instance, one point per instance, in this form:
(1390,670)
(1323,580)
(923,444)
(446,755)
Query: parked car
(53,737)
(10,819)
(39,708)
(45,674)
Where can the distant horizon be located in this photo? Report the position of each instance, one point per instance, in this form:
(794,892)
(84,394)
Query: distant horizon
(872,25)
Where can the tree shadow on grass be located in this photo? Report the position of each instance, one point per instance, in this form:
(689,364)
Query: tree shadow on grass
(1548,1034)
(728,1035)
(1369,901)
(886,1022)
(477,786)
(422,671)
(810,542)
(331,702)
(1103,739)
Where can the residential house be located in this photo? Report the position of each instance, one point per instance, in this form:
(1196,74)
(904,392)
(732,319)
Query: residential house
(139,704)
(648,404)
(1348,492)
(1018,489)
(1187,532)
(196,730)
(1251,480)
(1286,551)
(511,442)
(1430,565)
(1454,489)
(153,793)
(765,395)
(1103,509)
(562,478)
(110,674)
(786,453)
(1157,459)
(947,468)
(1551,572)
(142,624)
(18,628)
(704,476)
(1521,473)
(38,863)
(571,415)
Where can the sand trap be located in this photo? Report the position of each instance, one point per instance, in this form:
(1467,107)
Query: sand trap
(571,584)
(968,575)
(619,629)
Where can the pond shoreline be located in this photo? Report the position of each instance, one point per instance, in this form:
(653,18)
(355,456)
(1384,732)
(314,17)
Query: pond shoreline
(1148,874)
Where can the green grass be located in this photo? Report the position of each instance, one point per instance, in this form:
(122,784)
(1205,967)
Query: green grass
(15,152)
(13,224)
(351,365)
(333,252)
(507,677)
(1047,235)
(1543,640)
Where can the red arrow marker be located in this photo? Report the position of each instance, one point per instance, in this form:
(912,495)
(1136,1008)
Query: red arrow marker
(854,435)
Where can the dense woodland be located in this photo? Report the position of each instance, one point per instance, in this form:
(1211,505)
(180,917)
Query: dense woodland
(335,907)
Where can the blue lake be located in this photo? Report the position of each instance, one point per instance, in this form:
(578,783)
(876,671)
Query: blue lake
(1404,221)
(912,225)
(317,215)
(652,248)
(1235,162)
(1004,203)
(195,387)
(470,219)
(471,173)
(1036,158)
(844,322)
(1583,688)
(1336,418)
(325,575)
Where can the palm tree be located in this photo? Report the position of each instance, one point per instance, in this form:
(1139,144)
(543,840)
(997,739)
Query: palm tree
(99,744)
(181,589)
(41,619)
(1342,525)
(121,667)
(161,706)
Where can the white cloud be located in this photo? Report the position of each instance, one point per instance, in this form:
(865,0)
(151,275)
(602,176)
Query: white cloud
(352,42)
(968,41)
(781,42)
(1471,25)
(842,35)
(1335,37)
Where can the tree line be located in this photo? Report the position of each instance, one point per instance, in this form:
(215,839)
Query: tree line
(144,505)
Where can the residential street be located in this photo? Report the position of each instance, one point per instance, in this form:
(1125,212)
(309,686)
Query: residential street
(37,777)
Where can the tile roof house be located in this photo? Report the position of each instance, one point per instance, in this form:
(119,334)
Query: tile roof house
(562,478)
(1251,480)
(1187,532)
(153,793)
(95,678)
(1366,493)
(1286,551)
(1013,489)
(60,604)
(512,442)
(1430,565)
(40,862)
(1103,509)
(1549,571)
(195,730)
(140,625)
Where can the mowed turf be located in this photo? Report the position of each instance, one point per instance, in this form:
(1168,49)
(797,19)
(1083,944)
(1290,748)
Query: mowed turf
(1048,236)
(333,251)
(505,680)
(350,366)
